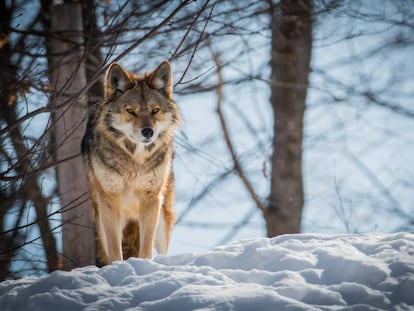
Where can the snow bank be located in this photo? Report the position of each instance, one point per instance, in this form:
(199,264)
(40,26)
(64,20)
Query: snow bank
(291,272)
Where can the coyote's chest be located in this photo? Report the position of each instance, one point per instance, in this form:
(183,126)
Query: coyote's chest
(133,177)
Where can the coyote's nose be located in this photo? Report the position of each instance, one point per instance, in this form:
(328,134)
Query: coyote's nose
(147,132)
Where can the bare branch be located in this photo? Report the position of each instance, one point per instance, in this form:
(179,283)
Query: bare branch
(196,46)
(237,166)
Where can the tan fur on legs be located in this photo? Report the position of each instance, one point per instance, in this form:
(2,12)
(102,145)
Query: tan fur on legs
(166,220)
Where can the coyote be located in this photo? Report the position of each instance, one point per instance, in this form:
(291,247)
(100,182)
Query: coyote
(128,151)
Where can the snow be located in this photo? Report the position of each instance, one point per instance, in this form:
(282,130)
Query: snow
(290,272)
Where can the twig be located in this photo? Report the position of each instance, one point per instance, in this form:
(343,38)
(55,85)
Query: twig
(197,44)
(188,30)
(83,197)
(238,168)
(206,190)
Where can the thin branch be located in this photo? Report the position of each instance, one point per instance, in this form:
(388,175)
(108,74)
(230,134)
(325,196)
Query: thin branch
(38,170)
(206,190)
(189,30)
(197,44)
(238,168)
(83,197)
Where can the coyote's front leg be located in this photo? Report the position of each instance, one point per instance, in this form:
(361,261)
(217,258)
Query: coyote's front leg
(149,211)
(109,228)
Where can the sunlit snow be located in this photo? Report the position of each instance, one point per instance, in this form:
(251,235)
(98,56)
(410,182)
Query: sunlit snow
(290,272)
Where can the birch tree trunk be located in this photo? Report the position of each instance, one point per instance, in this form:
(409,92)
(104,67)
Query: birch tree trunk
(68,77)
(290,65)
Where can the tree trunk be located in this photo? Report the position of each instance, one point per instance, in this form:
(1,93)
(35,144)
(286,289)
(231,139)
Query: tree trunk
(93,62)
(68,78)
(290,65)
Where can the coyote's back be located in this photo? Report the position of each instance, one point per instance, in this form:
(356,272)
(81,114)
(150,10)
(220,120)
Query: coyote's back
(127,151)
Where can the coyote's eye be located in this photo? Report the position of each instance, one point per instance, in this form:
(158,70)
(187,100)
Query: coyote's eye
(130,111)
(155,110)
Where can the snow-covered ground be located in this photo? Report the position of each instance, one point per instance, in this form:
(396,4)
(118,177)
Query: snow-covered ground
(290,272)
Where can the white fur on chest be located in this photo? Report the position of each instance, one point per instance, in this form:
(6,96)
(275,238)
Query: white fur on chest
(130,205)
(134,179)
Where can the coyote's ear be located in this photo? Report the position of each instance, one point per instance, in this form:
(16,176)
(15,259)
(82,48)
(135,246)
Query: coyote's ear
(161,79)
(116,80)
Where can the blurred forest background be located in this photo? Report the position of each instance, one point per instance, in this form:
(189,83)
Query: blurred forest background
(298,117)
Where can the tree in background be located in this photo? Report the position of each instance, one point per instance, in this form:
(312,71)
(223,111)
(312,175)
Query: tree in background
(67,62)
(291,44)
(290,64)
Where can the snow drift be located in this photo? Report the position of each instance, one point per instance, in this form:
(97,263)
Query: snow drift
(291,272)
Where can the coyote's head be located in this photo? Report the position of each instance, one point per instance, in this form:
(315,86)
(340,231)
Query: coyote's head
(140,107)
